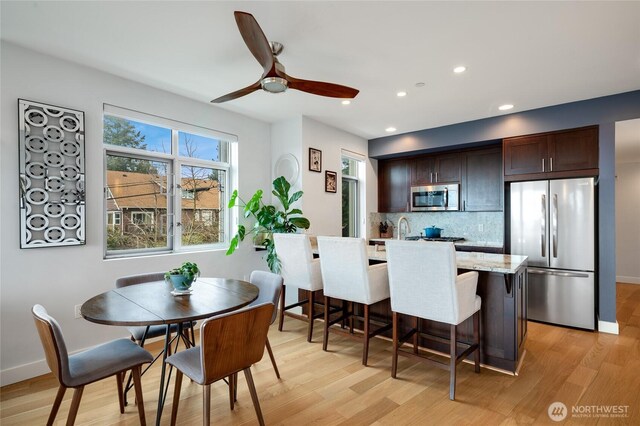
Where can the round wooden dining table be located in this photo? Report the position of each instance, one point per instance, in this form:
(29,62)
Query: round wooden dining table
(153,304)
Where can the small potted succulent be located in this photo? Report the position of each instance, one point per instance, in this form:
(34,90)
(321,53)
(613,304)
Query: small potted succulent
(183,277)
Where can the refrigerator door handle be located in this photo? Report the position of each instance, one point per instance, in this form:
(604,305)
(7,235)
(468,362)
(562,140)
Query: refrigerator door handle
(556,273)
(554,225)
(543,227)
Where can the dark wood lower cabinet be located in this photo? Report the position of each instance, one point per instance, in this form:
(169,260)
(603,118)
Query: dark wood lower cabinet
(503,322)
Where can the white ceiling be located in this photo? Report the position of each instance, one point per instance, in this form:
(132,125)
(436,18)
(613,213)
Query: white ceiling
(530,54)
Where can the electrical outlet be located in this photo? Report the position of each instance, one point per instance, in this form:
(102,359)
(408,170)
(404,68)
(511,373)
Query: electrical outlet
(480,227)
(76,311)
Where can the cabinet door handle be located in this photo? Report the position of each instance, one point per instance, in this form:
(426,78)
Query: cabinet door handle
(543,164)
(550,164)
(464,205)
(431,177)
(436,176)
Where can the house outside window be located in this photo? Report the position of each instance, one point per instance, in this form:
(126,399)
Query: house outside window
(352,170)
(166,182)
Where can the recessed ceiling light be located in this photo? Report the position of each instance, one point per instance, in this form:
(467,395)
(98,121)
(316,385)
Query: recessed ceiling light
(505,107)
(390,129)
(346,102)
(420,84)
(460,69)
(401,94)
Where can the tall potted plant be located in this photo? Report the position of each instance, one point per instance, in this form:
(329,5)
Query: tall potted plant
(269,219)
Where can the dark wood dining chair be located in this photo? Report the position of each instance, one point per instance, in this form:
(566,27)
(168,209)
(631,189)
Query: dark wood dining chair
(270,286)
(76,371)
(229,343)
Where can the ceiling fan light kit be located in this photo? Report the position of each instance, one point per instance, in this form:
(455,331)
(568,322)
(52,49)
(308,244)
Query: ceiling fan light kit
(274,79)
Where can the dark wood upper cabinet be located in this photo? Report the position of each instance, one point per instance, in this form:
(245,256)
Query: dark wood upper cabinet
(525,154)
(574,150)
(568,153)
(482,184)
(445,168)
(422,170)
(393,186)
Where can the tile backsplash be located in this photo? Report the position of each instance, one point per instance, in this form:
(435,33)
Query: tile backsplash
(472,226)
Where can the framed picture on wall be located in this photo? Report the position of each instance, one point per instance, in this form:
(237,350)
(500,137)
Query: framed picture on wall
(330,181)
(315,160)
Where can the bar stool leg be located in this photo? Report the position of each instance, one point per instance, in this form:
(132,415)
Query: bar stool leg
(281,319)
(365,350)
(325,341)
(311,315)
(394,357)
(452,365)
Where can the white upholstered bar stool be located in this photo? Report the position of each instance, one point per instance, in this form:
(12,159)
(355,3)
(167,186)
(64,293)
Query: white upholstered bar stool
(299,270)
(424,283)
(347,276)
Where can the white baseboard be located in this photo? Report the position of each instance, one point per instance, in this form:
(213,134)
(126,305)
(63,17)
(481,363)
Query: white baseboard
(38,368)
(628,280)
(608,327)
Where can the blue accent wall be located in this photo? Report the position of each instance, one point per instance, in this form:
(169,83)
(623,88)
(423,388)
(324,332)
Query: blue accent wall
(604,111)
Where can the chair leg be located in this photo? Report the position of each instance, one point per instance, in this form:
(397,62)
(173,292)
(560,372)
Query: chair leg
(345,311)
(452,364)
(325,340)
(119,379)
(56,404)
(75,403)
(254,395)
(281,316)
(206,405)
(365,349)
(231,393)
(273,359)
(416,335)
(394,355)
(235,387)
(176,397)
(311,314)
(351,314)
(137,384)
(476,339)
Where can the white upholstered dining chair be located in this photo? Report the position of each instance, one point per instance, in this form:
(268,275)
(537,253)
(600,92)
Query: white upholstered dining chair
(424,283)
(300,271)
(347,276)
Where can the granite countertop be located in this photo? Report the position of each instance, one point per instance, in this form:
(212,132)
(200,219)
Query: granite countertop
(473,261)
(458,243)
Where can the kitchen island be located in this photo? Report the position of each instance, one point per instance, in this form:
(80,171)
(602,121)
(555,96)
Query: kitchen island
(502,285)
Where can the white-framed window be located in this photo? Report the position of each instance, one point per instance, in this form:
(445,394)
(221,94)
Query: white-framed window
(161,175)
(352,190)
(114,220)
(142,218)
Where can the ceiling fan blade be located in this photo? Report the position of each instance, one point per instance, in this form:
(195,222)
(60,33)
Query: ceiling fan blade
(321,88)
(238,93)
(255,39)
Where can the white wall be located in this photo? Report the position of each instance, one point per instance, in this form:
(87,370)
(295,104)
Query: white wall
(324,208)
(60,278)
(628,222)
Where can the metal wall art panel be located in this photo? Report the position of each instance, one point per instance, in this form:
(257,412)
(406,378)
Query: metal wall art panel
(52,175)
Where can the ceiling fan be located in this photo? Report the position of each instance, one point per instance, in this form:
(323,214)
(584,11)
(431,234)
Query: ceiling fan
(274,79)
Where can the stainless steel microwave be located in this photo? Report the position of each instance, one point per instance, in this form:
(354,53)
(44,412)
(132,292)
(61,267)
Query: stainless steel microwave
(435,198)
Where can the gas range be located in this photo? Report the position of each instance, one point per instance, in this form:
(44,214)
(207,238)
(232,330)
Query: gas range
(442,239)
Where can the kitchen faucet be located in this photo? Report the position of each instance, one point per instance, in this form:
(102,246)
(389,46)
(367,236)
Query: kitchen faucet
(406,222)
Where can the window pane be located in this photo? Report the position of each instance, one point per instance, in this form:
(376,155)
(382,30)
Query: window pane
(349,167)
(202,147)
(136,203)
(349,208)
(133,134)
(202,205)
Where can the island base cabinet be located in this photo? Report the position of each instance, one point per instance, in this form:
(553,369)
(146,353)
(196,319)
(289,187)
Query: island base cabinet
(503,326)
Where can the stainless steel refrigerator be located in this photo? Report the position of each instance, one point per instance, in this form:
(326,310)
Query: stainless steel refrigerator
(553,222)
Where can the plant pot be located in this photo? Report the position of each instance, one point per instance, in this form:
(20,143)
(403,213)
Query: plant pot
(180,282)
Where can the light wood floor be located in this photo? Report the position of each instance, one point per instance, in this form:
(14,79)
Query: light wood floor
(331,388)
